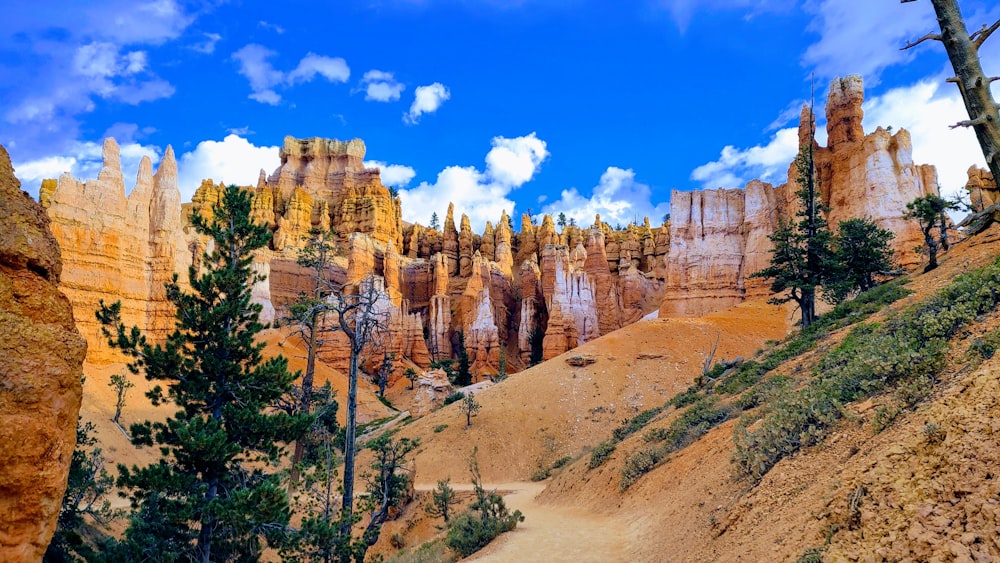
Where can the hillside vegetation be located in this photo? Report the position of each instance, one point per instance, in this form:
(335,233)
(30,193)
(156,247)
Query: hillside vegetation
(874,432)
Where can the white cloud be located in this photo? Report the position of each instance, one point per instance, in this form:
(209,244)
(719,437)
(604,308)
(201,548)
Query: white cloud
(272,26)
(233,160)
(208,45)
(482,195)
(381,86)
(875,31)
(682,11)
(396,175)
(330,68)
(255,65)
(618,198)
(736,166)
(74,55)
(514,161)
(926,109)
(426,99)
(83,160)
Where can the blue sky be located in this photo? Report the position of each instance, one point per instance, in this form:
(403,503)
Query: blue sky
(580,106)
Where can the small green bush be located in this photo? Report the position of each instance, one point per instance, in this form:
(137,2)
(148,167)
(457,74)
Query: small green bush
(933,433)
(640,463)
(600,454)
(469,533)
(764,393)
(884,417)
(562,462)
(811,555)
(690,395)
(636,423)
(454,397)
(541,474)
(693,423)
(440,428)
(430,552)
(656,435)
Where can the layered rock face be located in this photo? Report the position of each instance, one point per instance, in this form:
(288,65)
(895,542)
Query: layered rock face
(982,189)
(718,238)
(341,192)
(870,175)
(41,362)
(120,247)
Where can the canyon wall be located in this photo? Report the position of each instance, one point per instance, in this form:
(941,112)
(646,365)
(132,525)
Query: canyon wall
(433,285)
(41,359)
(515,297)
(718,238)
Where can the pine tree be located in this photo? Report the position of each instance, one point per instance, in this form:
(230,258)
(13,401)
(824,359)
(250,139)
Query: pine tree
(120,383)
(929,211)
(463,376)
(801,259)
(435,222)
(214,494)
(860,253)
(412,375)
(441,500)
(470,407)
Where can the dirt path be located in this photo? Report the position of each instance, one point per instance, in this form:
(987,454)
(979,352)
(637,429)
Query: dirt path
(552,533)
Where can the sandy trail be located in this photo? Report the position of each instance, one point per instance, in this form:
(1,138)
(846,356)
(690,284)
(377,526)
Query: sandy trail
(550,532)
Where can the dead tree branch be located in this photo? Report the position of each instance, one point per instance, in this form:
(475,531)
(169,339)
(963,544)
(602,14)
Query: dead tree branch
(981,120)
(979,37)
(929,37)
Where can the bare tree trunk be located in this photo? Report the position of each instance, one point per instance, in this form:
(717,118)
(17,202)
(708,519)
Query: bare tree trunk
(349,442)
(963,51)
(306,400)
(932,249)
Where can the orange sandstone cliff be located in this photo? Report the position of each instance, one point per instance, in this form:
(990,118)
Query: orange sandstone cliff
(718,238)
(41,359)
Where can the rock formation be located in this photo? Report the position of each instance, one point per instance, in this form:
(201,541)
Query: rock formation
(539,291)
(41,359)
(120,247)
(718,238)
(570,300)
(341,190)
(872,175)
(982,189)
